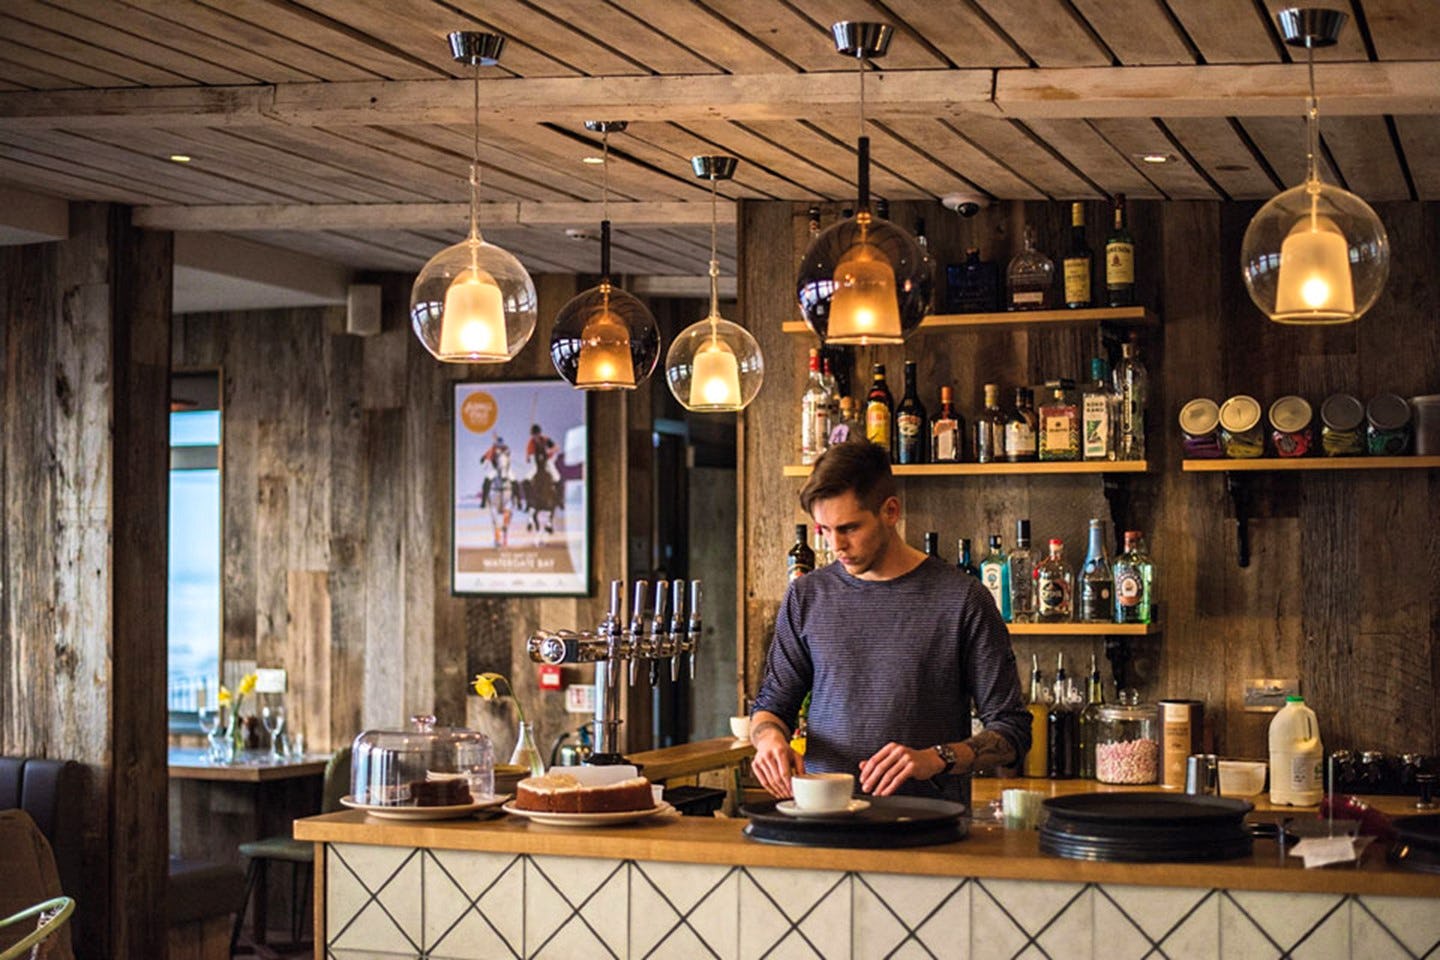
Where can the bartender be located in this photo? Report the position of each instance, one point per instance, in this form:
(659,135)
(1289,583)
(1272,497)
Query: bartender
(893,646)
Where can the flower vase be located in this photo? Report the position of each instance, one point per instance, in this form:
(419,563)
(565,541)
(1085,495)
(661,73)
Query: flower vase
(526,754)
(235,735)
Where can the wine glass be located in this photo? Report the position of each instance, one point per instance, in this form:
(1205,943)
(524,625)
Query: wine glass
(208,716)
(274,719)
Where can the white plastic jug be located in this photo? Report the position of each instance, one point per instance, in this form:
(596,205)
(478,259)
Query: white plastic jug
(1296,756)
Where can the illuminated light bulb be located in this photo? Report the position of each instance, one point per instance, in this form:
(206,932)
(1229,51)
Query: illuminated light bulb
(605,358)
(716,380)
(1314,283)
(865,307)
(473,322)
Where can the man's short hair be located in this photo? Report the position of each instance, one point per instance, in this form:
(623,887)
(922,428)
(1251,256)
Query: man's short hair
(857,466)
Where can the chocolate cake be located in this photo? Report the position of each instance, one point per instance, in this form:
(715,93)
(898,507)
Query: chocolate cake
(450,792)
(563,793)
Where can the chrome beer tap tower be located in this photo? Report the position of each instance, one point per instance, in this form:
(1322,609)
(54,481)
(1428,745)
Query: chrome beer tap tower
(617,647)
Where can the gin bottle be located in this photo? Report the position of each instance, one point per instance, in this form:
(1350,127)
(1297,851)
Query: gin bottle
(1022,576)
(1132,383)
(1099,414)
(1096,578)
(962,558)
(1054,586)
(1133,573)
(995,575)
(1030,276)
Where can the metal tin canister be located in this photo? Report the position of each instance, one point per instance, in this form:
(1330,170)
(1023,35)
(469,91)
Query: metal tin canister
(1388,432)
(1241,435)
(1290,418)
(1200,424)
(1427,424)
(1341,417)
(1181,724)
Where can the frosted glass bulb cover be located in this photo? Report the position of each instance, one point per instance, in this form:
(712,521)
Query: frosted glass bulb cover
(714,366)
(864,307)
(493,294)
(605,339)
(1315,254)
(820,280)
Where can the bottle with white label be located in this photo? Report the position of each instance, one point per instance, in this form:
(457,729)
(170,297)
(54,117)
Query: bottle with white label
(1296,756)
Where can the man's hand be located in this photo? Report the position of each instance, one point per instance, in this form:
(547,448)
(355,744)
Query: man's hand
(893,764)
(774,761)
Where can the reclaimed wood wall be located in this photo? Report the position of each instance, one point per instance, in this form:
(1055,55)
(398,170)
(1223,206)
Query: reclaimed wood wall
(1342,592)
(83,399)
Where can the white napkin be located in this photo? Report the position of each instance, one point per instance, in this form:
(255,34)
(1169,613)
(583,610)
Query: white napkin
(1323,851)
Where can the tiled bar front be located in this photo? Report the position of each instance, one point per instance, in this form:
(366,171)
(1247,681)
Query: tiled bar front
(418,901)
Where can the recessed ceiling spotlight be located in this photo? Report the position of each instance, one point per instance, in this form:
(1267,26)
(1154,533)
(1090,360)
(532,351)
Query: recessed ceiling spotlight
(180,158)
(594,160)
(1155,157)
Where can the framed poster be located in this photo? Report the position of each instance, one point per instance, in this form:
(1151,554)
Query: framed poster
(521,503)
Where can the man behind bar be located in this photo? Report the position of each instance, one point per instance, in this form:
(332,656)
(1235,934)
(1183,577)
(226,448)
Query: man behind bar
(893,645)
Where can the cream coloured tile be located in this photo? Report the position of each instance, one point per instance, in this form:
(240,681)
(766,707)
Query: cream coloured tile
(344,893)
(1329,941)
(763,924)
(493,926)
(1071,934)
(993,933)
(1240,937)
(1155,910)
(1288,917)
(1121,938)
(946,932)
(1032,903)
(576,906)
(706,897)
(390,921)
(1196,938)
(794,913)
(1414,921)
(1372,939)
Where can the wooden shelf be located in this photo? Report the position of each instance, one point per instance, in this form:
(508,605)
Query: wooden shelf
(1267,464)
(1019,319)
(999,469)
(1083,629)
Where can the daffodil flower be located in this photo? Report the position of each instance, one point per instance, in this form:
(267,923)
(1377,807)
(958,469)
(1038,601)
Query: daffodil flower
(486,686)
(247,685)
(223,699)
(798,745)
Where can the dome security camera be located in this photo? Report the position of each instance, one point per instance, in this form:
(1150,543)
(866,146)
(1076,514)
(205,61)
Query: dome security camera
(965,204)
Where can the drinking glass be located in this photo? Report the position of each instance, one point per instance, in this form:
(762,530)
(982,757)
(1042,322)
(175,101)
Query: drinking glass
(274,720)
(209,719)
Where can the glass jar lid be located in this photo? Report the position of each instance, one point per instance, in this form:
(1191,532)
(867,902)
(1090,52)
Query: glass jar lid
(1128,707)
(1290,414)
(1240,413)
(1388,412)
(1342,412)
(1199,416)
(397,767)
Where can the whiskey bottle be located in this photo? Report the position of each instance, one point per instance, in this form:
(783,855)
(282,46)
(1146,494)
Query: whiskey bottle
(990,428)
(1030,276)
(1020,428)
(1059,426)
(1022,576)
(911,426)
(1099,414)
(962,558)
(879,412)
(1054,586)
(1035,764)
(947,432)
(995,575)
(1076,266)
(832,387)
(1096,578)
(1120,260)
(1132,383)
(1133,573)
(814,414)
(801,559)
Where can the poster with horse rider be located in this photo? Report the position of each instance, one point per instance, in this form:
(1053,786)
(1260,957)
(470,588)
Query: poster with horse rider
(521,504)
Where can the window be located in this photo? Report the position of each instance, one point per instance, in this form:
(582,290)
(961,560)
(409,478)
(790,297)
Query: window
(193,579)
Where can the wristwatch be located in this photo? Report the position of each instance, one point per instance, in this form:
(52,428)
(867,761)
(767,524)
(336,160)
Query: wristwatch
(947,754)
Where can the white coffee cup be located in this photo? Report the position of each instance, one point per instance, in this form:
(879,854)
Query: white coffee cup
(740,728)
(822,792)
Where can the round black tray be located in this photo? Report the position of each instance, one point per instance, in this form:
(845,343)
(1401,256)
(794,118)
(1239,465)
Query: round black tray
(1146,827)
(889,822)
(1417,843)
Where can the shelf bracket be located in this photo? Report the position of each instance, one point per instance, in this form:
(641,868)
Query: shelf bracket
(1238,487)
(1118,652)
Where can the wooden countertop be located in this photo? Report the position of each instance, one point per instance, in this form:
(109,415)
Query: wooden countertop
(692,758)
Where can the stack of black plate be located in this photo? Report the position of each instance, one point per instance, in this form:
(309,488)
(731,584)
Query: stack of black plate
(1145,827)
(1417,843)
(886,822)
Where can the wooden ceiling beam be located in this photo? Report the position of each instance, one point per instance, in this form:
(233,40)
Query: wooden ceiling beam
(423,216)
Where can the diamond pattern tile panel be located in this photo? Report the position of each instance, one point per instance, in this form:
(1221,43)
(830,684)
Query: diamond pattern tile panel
(684,910)
(474,905)
(373,903)
(576,907)
(1411,923)
(794,913)
(899,916)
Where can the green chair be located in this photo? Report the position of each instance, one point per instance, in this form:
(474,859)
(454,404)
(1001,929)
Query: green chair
(285,849)
(53,913)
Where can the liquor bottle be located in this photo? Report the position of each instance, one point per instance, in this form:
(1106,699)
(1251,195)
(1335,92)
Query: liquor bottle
(1132,383)
(1133,573)
(801,559)
(990,428)
(995,575)
(1097,581)
(882,208)
(824,556)
(1059,426)
(814,414)
(1054,586)
(1022,576)
(947,432)
(1078,262)
(847,426)
(962,558)
(879,412)
(1099,414)
(1039,721)
(1120,260)
(1030,276)
(1090,720)
(932,544)
(911,425)
(926,257)
(1021,428)
(832,387)
(972,286)
(813,214)
(1062,730)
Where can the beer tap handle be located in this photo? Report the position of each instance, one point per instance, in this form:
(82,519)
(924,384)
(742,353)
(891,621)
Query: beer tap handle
(613,616)
(677,628)
(659,624)
(654,670)
(637,628)
(692,643)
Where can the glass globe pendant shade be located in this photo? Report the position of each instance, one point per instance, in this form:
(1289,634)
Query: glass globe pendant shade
(714,366)
(864,281)
(1315,254)
(473,303)
(605,339)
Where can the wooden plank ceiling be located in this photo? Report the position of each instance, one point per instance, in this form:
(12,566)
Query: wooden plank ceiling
(342,128)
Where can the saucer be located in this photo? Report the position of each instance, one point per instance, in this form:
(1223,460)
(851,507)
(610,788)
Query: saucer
(789,808)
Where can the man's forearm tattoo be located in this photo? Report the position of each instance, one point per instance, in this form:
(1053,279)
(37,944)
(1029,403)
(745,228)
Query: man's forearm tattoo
(991,750)
(764,725)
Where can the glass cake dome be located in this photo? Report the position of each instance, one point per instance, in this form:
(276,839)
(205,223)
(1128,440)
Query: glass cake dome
(406,768)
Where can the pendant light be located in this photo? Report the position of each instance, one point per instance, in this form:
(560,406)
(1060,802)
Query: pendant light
(864,280)
(1315,254)
(474,302)
(605,338)
(714,366)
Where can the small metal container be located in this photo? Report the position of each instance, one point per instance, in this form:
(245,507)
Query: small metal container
(1290,432)
(1241,435)
(1200,424)
(1341,420)
(1427,424)
(1202,774)
(1388,430)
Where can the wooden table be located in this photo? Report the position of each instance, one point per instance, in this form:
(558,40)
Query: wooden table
(688,759)
(189,763)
